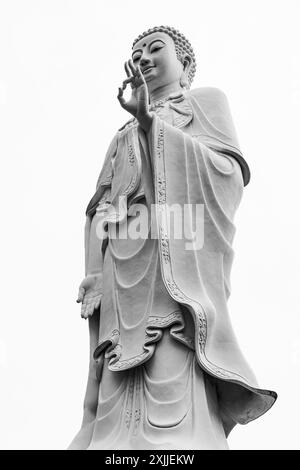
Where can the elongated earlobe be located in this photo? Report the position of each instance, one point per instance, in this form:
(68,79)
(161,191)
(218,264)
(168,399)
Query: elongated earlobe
(184,81)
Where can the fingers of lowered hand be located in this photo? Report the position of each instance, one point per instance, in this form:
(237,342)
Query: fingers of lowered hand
(89,310)
(87,313)
(97,303)
(81,293)
(88,307)
(85,310)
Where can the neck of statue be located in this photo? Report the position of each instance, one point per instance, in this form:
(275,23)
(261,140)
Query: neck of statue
(164,91)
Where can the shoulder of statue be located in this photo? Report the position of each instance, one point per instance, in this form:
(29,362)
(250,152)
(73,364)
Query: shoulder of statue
(129,124)
(212,101)
(207,93)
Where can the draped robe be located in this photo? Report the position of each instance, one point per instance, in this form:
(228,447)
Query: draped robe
(190,157)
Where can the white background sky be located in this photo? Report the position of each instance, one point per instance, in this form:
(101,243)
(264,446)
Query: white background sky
(61,63)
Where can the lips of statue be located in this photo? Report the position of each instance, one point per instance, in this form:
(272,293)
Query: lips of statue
(157,58)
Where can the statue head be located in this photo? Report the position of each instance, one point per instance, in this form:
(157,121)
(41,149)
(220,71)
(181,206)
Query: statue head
(165,56)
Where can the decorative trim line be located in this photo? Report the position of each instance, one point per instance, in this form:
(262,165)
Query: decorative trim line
(167,272)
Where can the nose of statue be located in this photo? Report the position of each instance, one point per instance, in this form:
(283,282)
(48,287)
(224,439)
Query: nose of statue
(144,61)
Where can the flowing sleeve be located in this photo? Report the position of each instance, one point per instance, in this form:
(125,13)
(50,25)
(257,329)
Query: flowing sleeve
(101,198)
(105,177)
(213,125)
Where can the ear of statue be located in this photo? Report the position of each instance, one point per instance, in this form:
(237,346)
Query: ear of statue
(184,82)
(186,64)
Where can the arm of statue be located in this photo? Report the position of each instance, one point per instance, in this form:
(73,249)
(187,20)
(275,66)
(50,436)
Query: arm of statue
(90,289)
(138,105)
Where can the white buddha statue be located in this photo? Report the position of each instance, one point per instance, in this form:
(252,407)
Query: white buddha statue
(166,371)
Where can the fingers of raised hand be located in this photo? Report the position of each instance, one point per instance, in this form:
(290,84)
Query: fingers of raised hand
(129,72)
(127,69)
(140,77)
(125,82)
(139,73)
(134,74)
(131,67)
(121,97)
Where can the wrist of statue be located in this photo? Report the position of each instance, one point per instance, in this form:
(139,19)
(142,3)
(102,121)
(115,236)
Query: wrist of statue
(95,271)
(96,275)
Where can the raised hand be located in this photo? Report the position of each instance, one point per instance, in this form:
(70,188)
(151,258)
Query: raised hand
(138,104)
(90,294)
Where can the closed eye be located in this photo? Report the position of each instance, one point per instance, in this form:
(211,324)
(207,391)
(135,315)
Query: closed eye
(155,49)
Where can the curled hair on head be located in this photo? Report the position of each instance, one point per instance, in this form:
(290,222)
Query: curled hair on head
(182,46)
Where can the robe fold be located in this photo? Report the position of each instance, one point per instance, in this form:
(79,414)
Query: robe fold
(189,159)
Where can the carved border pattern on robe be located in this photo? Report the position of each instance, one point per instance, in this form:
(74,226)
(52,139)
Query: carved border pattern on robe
(131,155)
(180,297)
(134,162)
(137,416)
(129,363)
(161,189)
(165,247)
(131,186)
(129,401)
(107,180)
(137,411)
(163,322)
(174,290)
(172,319)
(133,401)
(103,203)
(160,142)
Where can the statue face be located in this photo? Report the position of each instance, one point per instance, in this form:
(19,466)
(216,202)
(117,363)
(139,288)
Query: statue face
(157,58)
